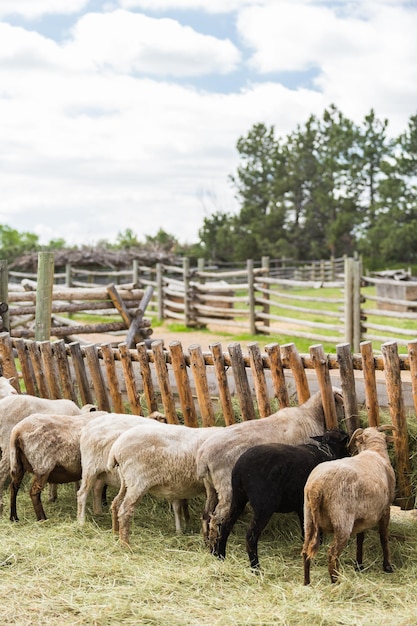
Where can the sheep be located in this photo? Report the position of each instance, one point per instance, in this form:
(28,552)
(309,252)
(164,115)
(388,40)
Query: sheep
(271,477)
(6,387)
(160,461)
(348,496)
(47,446)
(96,439)
(216,457)
(13,409)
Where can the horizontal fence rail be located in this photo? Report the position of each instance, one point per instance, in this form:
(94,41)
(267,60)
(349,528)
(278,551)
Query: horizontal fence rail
(341,305)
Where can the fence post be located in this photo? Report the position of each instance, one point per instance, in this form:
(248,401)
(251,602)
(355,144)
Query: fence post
(43,311)
(265,296)
(356,313)
(68,278)
(135,271)
(348,288)
(186,280)
(4,294)
(251,297)
(160,288)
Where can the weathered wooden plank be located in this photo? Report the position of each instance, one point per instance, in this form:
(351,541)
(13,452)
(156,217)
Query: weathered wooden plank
(347,381)
(67,383)
(179,367)
(292,359)
(222,383)
(259,380)
(369,380)
(25,366)
(241,381)
(396,408)
(198,369)
(112,380)
(145,371)
(323,377)
(163,379)
(8,365)
(51,369)
(93,362)
(80,373)
(273,351)
(132,392)
(37,365)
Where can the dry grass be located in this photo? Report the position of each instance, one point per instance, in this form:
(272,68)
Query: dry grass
(57,573)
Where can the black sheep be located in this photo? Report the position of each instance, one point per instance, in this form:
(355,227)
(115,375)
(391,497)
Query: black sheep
(271,477)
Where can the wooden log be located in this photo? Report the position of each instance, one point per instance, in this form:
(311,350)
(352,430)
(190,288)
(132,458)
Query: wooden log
(292,360)
(25,366)
(37,365)
(163,380)
(277,373)
(82,293)
(8,365)
(112,380)
(119,305)
(145,370)
(241,381)
(67,331)
(259,380)
(67,385)
(80,373)
(74,307)
(179,367)
(222,383)
(132,392)
(412,353)
(44,296)
(50,368)
(347,381)
(198,368)
(369,379)
(323,377)
(96,374)
(136,322)
(396,408)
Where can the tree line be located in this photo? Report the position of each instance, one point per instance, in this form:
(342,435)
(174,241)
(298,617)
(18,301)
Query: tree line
(331,187)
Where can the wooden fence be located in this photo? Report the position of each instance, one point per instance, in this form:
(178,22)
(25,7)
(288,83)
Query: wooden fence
(258,299)
(192,383)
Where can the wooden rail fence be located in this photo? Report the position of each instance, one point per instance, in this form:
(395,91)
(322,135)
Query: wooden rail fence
(192,383)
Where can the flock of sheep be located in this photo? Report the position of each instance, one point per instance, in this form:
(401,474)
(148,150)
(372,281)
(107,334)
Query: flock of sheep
(287,462)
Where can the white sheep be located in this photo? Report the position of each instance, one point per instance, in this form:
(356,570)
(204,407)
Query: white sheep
(346,497)
(48,446)
(96,439)
(13,409)
(160,461)
(216,457)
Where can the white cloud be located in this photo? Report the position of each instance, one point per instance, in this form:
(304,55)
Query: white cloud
(129,42)
(210,6)
(36,8)
(98,135)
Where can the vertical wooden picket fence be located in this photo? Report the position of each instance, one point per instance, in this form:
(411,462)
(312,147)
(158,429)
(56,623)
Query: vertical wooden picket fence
(192,383)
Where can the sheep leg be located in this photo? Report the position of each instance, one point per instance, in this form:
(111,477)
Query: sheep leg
(209,507)
(53,492)
(359,550)
(216,521)
(337,546)
(177,508)
(37,486)
(236,509)
(185,512)
(4,473)
(252,537)
(16,480)
(99,490)
(115,505)
(383,538)
(126,510)
(307,564)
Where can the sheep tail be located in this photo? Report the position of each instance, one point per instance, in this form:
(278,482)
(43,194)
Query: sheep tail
(15,458)
(312,524)
(111,461)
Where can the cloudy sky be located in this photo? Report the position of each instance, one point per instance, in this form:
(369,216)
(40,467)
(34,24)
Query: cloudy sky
(119,114)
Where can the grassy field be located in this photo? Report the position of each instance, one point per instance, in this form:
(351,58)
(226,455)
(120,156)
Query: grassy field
(58,573)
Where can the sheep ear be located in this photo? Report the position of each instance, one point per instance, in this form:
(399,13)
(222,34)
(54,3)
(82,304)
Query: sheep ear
(338,398)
